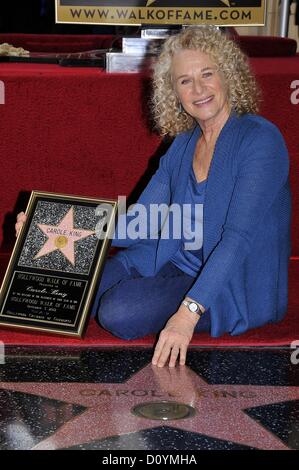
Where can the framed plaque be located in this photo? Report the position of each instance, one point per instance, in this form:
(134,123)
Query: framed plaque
(55,267)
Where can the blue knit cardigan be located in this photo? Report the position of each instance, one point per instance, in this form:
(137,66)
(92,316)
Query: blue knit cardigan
(246,225)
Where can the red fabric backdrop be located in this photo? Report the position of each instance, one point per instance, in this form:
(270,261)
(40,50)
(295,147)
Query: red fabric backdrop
(82,131)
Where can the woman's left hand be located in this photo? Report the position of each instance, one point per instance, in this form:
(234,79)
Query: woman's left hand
(174,339)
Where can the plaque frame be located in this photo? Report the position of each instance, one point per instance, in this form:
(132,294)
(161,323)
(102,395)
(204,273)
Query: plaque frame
(29,294)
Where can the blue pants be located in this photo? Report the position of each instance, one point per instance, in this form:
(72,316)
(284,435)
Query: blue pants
(131,306)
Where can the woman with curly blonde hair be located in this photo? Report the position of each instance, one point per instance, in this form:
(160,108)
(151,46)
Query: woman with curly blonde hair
(242,90)
(227,271)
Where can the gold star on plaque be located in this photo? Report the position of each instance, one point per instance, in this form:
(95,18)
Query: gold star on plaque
(62,237)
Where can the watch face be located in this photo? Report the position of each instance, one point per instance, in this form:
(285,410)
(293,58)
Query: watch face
(193,307)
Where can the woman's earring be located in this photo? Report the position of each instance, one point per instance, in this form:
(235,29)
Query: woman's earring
(181,108)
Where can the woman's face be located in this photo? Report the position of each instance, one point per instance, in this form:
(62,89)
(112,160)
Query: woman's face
(199,86)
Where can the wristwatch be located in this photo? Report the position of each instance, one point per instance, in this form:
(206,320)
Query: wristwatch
(192,306)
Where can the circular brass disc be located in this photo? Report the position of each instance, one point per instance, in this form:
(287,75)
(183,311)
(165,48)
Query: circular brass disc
(163,410)
(61,241)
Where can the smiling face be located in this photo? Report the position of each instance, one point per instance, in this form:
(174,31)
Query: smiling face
(200,87)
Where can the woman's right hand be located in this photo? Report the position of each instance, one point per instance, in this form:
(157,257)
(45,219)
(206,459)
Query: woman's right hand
(21,219)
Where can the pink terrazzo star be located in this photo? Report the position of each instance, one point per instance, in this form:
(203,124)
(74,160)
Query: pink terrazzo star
(220,409)
(62,237)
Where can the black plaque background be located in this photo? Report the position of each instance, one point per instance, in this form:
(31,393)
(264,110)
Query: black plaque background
(12,315)
(60,303)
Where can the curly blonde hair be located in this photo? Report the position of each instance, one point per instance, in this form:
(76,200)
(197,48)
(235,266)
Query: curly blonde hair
(243,92)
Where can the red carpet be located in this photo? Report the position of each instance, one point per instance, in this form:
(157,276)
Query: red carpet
(278,334)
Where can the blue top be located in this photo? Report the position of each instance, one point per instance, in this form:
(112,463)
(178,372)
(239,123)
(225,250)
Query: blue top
(246,247)
(188,258)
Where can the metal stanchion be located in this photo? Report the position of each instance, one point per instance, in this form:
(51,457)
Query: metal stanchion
(284,18)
